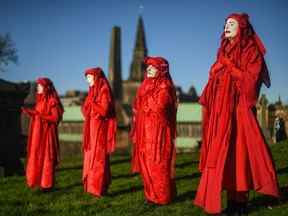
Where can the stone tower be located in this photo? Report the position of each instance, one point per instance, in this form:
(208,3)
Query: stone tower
(115,76)
(115,73)
(139,53)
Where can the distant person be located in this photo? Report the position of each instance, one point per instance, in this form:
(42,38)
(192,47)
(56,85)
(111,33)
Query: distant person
(234,155)
(99,133)
(43,143)
(280,130)
(153,132)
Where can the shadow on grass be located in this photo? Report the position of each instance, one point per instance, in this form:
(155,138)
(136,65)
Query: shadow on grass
(284,194)
(193,175)
(16,207)
(123,159)
(69,168)
(144,209)
(267,201)
(188,195)
(66,188)
(40,211)
(125,191)
(12,203)
(282,171)
(129,175)
(185,164)
(119,161)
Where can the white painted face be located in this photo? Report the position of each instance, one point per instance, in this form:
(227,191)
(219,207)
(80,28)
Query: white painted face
(151,71)
(231,28)
(40,88)
(90,79)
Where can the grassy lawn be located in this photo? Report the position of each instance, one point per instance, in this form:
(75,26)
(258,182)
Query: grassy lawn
(126,193)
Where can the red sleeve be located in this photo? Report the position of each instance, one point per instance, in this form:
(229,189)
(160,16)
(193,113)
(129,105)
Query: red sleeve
(204,144)
(30,112)
(86,107)
(102,106)
(53,116)
(249,76)
(159,101)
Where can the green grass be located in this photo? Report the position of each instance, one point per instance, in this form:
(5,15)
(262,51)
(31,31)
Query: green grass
(126,192)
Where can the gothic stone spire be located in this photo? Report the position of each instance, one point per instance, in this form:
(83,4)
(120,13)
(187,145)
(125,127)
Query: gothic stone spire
(140,52)
(114,73)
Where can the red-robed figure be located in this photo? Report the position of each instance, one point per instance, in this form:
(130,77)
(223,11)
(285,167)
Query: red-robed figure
(153,132)
(43,143)
(99,133)
(234,155)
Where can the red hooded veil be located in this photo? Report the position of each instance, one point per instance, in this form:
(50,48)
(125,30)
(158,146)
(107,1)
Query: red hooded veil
(99,134)
(101,84)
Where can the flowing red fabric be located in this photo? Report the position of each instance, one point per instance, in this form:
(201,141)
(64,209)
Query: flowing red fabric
(99,134)
(234,154)
(43,143)
(153,133)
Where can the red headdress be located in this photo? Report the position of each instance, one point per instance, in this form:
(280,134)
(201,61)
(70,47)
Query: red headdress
(246,35)
(160,64)
(99,80)
(49,93)
(162,67)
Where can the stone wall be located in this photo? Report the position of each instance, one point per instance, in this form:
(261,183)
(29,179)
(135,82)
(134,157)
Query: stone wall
(70,134)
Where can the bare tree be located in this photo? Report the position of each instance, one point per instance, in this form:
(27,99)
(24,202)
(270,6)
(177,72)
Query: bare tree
(8,52)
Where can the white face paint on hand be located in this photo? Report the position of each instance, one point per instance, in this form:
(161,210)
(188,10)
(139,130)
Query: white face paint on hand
(40,88)
(90,79)
(151,71)
(231,28)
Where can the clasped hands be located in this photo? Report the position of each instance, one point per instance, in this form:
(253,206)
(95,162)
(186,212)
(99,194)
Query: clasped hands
(226,62)
(148,105)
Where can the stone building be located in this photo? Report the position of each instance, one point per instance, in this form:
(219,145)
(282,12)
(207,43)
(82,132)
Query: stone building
(189,124)
(190,96)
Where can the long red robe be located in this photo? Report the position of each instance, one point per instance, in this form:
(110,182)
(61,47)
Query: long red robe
(234,154)
(153,136)
(99,135)
(43,143)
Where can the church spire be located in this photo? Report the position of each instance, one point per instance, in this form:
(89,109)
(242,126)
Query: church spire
(140,52)
(114,73)
(279,99)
